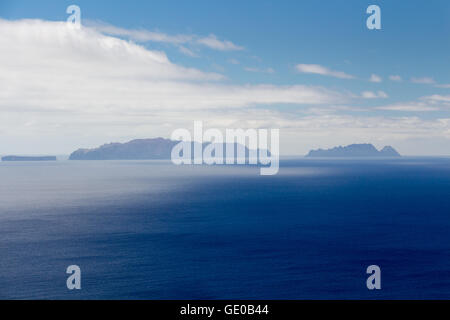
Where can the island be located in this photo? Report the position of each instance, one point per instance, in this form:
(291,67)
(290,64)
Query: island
(138,149)
(29,158)
(355,150)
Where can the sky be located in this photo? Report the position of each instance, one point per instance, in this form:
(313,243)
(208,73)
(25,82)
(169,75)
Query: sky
(141,69)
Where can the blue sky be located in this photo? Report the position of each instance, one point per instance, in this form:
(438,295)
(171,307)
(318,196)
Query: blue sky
(278,43)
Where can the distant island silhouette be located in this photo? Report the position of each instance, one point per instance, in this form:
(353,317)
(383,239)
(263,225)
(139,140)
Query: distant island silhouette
(355,150)
(138,149)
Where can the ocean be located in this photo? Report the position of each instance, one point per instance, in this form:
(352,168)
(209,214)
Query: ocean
(153,230)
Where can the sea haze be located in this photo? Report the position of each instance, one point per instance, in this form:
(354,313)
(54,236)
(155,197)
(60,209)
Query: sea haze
(153,230)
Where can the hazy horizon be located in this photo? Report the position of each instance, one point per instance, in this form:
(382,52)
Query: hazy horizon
(379,147)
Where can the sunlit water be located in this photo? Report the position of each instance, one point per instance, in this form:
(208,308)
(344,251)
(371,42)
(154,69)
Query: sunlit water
(152,230)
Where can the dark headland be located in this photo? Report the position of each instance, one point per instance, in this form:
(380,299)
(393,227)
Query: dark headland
(26,158)
(355,150)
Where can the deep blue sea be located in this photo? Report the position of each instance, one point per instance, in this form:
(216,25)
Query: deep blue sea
(153,230)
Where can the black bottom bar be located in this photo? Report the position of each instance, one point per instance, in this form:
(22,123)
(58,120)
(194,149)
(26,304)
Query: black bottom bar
(227,309)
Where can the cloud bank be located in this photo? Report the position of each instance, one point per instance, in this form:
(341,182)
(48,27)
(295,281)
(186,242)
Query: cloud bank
(64,88)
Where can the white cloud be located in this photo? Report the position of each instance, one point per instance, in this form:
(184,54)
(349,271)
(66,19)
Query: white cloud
(375,78)
(446,85)
(424,80)
(267,70)
(188,52)
(423,104)
(51,62)
(382,94)
(373,95)
(408,107)
(211,41)
(437,98)
(141,35)
(395,78)
(38,50)
(318,69)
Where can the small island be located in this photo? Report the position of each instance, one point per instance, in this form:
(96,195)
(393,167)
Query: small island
(354,150)
(29,158)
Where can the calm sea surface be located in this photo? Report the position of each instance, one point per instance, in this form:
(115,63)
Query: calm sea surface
(152,230)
